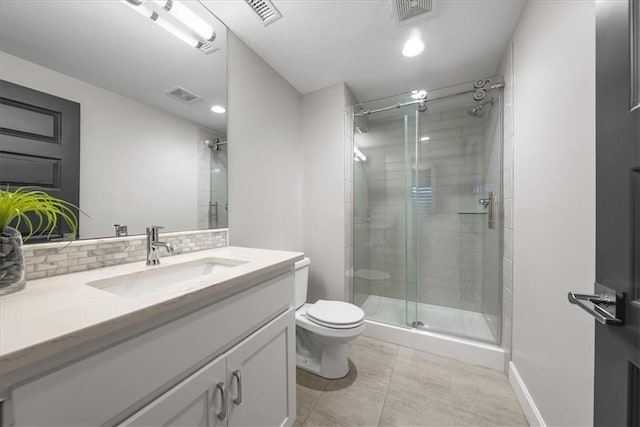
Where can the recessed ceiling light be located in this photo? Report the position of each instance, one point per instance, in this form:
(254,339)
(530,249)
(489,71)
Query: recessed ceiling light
(424,138)
(414,46)
(218,109)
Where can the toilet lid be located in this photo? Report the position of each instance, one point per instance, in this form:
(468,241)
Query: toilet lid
(335,314)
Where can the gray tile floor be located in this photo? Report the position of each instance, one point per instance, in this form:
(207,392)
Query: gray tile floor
(390,385)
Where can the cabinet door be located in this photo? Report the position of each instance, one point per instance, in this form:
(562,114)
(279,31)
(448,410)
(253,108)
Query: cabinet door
(261,376)
(197,401)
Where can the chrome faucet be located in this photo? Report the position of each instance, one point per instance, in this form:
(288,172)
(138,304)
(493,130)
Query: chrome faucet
(153,244)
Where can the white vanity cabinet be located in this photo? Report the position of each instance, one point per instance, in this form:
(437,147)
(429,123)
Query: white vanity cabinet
(197,401)
(247,386)
(242,347)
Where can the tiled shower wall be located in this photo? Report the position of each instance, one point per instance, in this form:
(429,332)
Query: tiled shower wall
(53,259)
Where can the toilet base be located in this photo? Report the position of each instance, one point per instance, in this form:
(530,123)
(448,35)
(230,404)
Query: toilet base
(334,370)
(326,357)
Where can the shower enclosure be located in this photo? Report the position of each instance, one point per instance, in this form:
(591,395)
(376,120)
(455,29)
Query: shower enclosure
(219,205)
(427,210)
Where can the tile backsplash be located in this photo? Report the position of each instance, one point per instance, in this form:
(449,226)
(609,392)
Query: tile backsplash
(52,259)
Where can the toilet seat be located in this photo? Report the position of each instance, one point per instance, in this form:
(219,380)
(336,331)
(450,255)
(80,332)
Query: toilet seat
(335,314)
(303,321)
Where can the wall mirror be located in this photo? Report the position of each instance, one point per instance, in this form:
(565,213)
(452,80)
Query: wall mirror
(148,81)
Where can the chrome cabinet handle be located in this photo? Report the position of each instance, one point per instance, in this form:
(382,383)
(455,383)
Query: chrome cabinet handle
(223,410)
(238,377)
(607,309)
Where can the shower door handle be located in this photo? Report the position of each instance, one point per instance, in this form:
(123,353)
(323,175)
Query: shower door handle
(489,203)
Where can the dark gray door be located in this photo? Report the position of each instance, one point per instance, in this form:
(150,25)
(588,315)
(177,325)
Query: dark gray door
(617,348)
(40,144)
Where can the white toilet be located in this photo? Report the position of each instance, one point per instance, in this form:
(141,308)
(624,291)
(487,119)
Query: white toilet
(324,330)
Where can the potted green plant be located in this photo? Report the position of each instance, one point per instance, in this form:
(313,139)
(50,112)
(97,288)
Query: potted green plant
(38,212)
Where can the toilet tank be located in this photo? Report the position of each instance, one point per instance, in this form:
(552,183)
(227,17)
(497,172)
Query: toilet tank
(301,272)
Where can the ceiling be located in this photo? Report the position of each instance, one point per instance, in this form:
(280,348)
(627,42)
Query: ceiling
(318,43)
(109,45)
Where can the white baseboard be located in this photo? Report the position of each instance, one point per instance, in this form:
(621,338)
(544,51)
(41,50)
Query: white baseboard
(526,401)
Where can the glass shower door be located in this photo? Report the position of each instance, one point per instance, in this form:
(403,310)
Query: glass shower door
(412,194)
(458,175)
(385,282)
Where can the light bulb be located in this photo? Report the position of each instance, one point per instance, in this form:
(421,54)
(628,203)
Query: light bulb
(218,109)
(185,15)
(191,41)
(141,9)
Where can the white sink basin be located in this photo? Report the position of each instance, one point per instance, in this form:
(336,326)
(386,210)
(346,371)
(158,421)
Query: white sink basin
(160,278)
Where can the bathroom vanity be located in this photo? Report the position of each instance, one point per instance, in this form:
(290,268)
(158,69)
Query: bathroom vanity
(212,345)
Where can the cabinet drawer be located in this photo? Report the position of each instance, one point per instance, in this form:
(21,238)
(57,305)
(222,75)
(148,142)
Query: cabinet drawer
(124,377)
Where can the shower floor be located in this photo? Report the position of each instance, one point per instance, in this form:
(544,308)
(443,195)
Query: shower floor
(454,321)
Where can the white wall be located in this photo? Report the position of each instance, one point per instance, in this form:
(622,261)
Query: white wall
(554,206)
(138,165)
(265,153)
(324,215)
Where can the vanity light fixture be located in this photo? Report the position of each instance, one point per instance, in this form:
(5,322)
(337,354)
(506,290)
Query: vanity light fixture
(140,8)
(188,39)
(182,14)
(358,155)
(188,18)
(414,46)
(218,109)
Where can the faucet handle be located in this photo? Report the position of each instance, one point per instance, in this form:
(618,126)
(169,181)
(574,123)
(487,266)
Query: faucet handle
(154,229)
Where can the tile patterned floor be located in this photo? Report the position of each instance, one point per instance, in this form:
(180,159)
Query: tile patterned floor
(390,385)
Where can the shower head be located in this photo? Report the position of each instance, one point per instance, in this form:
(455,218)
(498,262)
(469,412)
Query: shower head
(215,144)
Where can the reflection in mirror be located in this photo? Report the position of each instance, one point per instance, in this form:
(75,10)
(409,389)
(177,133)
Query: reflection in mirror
(118,106)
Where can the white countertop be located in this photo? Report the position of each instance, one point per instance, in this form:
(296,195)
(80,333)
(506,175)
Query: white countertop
(54,314)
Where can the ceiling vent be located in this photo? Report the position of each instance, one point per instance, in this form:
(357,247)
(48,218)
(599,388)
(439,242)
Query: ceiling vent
(265,10)
(183,95)
(407,9)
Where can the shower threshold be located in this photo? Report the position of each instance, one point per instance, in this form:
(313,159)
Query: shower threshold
(385,321)
(448,320)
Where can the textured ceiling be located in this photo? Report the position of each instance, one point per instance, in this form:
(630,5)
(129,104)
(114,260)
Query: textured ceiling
(109,45)
(318,43)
